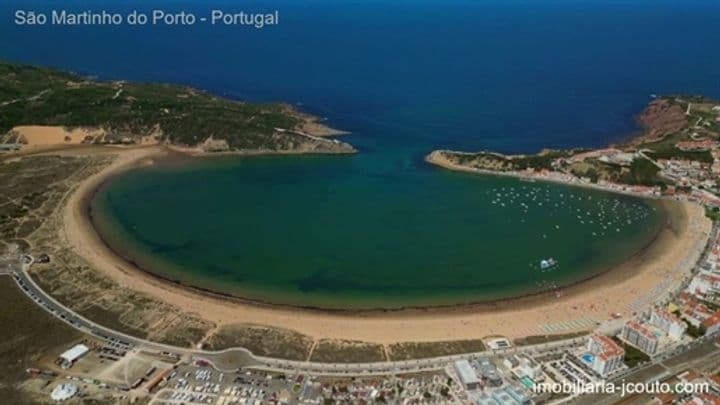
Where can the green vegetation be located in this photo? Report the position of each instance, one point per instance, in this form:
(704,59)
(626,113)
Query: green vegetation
(666,123)
(419,350)
(345,351)
(642,172)
(94,296)
(666,144)
(713,213)
(633,355)
(263,341)
(674,153)
(542,160)
(590,173)
(111,319)
(38,96)
(534,340)
(695,331)
(692,98)
(29,190)
(494,161)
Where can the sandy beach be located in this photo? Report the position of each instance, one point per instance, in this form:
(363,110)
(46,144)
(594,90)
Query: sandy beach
(670,257)
(37,136)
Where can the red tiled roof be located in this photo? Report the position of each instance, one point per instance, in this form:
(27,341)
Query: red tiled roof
(609,347)
(714,319)
(641,329)
(663,313)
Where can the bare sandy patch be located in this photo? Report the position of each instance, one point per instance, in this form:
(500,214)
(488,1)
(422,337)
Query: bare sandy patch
(41,135)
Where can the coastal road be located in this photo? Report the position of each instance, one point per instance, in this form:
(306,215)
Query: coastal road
(18,271)
(230,360)
(699,353)
(696,353)
(237,358)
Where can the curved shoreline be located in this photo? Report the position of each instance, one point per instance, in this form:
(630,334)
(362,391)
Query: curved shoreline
(411,324)
(436,158)
(370,311)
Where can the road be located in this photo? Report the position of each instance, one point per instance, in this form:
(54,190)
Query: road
(237,358)
(699,353)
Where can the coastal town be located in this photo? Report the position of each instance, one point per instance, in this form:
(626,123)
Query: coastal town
(676,156)
(86,328)
(664,349)
(333,202)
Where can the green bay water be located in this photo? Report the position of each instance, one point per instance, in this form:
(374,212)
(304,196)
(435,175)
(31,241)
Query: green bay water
(383,229)
(341,232)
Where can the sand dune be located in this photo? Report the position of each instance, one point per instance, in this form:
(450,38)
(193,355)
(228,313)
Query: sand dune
(40,135)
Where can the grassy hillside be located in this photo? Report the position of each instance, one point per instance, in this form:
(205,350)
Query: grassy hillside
(684,129)
(32,95)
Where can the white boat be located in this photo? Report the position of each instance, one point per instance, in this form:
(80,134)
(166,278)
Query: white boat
(547,263)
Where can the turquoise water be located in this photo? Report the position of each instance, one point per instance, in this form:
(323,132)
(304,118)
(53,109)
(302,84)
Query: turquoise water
(328,232)
(382,228)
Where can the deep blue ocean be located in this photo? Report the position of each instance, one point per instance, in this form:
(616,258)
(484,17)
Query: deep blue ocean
(405,77)
(510,75)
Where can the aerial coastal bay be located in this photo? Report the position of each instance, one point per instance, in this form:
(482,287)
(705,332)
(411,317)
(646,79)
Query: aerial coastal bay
(666,256)
(439,241)
(203,234)
(448,206)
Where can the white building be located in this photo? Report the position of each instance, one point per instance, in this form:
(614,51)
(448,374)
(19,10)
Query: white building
(63,392)
(640,337)
(668,323)
(524,366)
(503,397)
(695,313)
(468,377)
(481,398)
(618,158)
(607,355)
(704,284)
(70,356)
(712,324)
